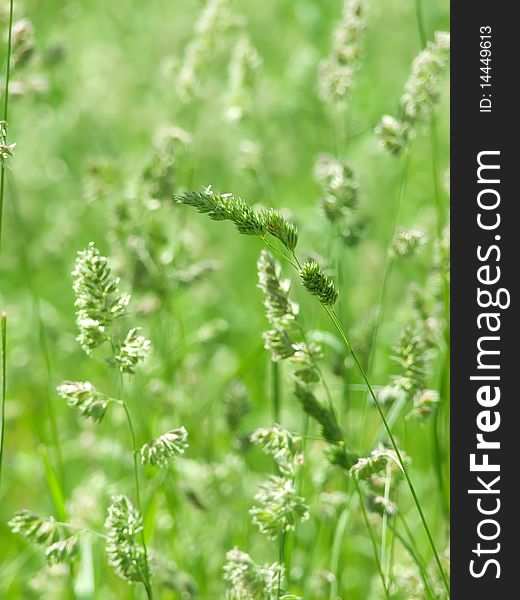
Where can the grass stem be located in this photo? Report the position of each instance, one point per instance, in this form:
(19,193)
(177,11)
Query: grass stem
(339,534)
(384,527)
(275,390)
(5,112)
(281,562)
(135,451)
(332,314)
(372,537)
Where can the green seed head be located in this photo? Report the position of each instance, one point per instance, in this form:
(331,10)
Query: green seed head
(318,284)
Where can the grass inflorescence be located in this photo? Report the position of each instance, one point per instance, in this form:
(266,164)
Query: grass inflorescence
(175,424)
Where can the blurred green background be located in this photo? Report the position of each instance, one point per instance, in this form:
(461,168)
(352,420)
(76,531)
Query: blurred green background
(102,82)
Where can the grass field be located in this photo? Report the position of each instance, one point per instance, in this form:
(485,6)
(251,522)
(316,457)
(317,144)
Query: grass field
(119,110)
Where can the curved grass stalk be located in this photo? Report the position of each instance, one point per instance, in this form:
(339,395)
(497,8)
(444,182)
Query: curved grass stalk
(372,537)
(332,314)
(5,113)
(384,527)
(412,551)
(327,296)
(135,452)
(336,547)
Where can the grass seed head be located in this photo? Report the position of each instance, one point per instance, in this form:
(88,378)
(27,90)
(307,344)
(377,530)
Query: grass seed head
(125,553)
(282,445)
(243,66)
(421,93)
(62,551)
(214,20)
(84,396)
(330,429)
(336,73)
(34,528)
(366,467)
(280,507)
(280,310)
(281,228)
(23,44)
(407,243)
(98,300)
(248,580)
(318,284)
(134,349)
(165,448)
(339,187)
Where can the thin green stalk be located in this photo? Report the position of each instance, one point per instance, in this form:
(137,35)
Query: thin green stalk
(334,318)
(384,527)
(5,111)
(275,390)
(332,314)
(2,427)
(372,537)
(411,551)
(281,562)
(147,584)
(339,534)
(414,553)
(79,529)
(393,415)
(420,22)
(391,558)
(282,254)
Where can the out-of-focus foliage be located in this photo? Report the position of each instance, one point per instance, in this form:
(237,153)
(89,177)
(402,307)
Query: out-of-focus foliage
(118,106)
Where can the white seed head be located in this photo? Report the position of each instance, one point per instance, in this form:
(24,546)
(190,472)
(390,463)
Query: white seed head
(165,448)
(248,580)
(62,551)
(98,300)
(336,73)
(407,243)
(243,65)
(84,396)
(280,443)
(280,507)
(125,553)
(134,349)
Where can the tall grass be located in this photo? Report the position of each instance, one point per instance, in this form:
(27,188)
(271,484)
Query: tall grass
(5,114)
(308,459)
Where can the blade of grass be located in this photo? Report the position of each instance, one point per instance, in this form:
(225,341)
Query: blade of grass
(372,537)
(53,484)
(5,111)
(412,551)
(337,544)
(275,391)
